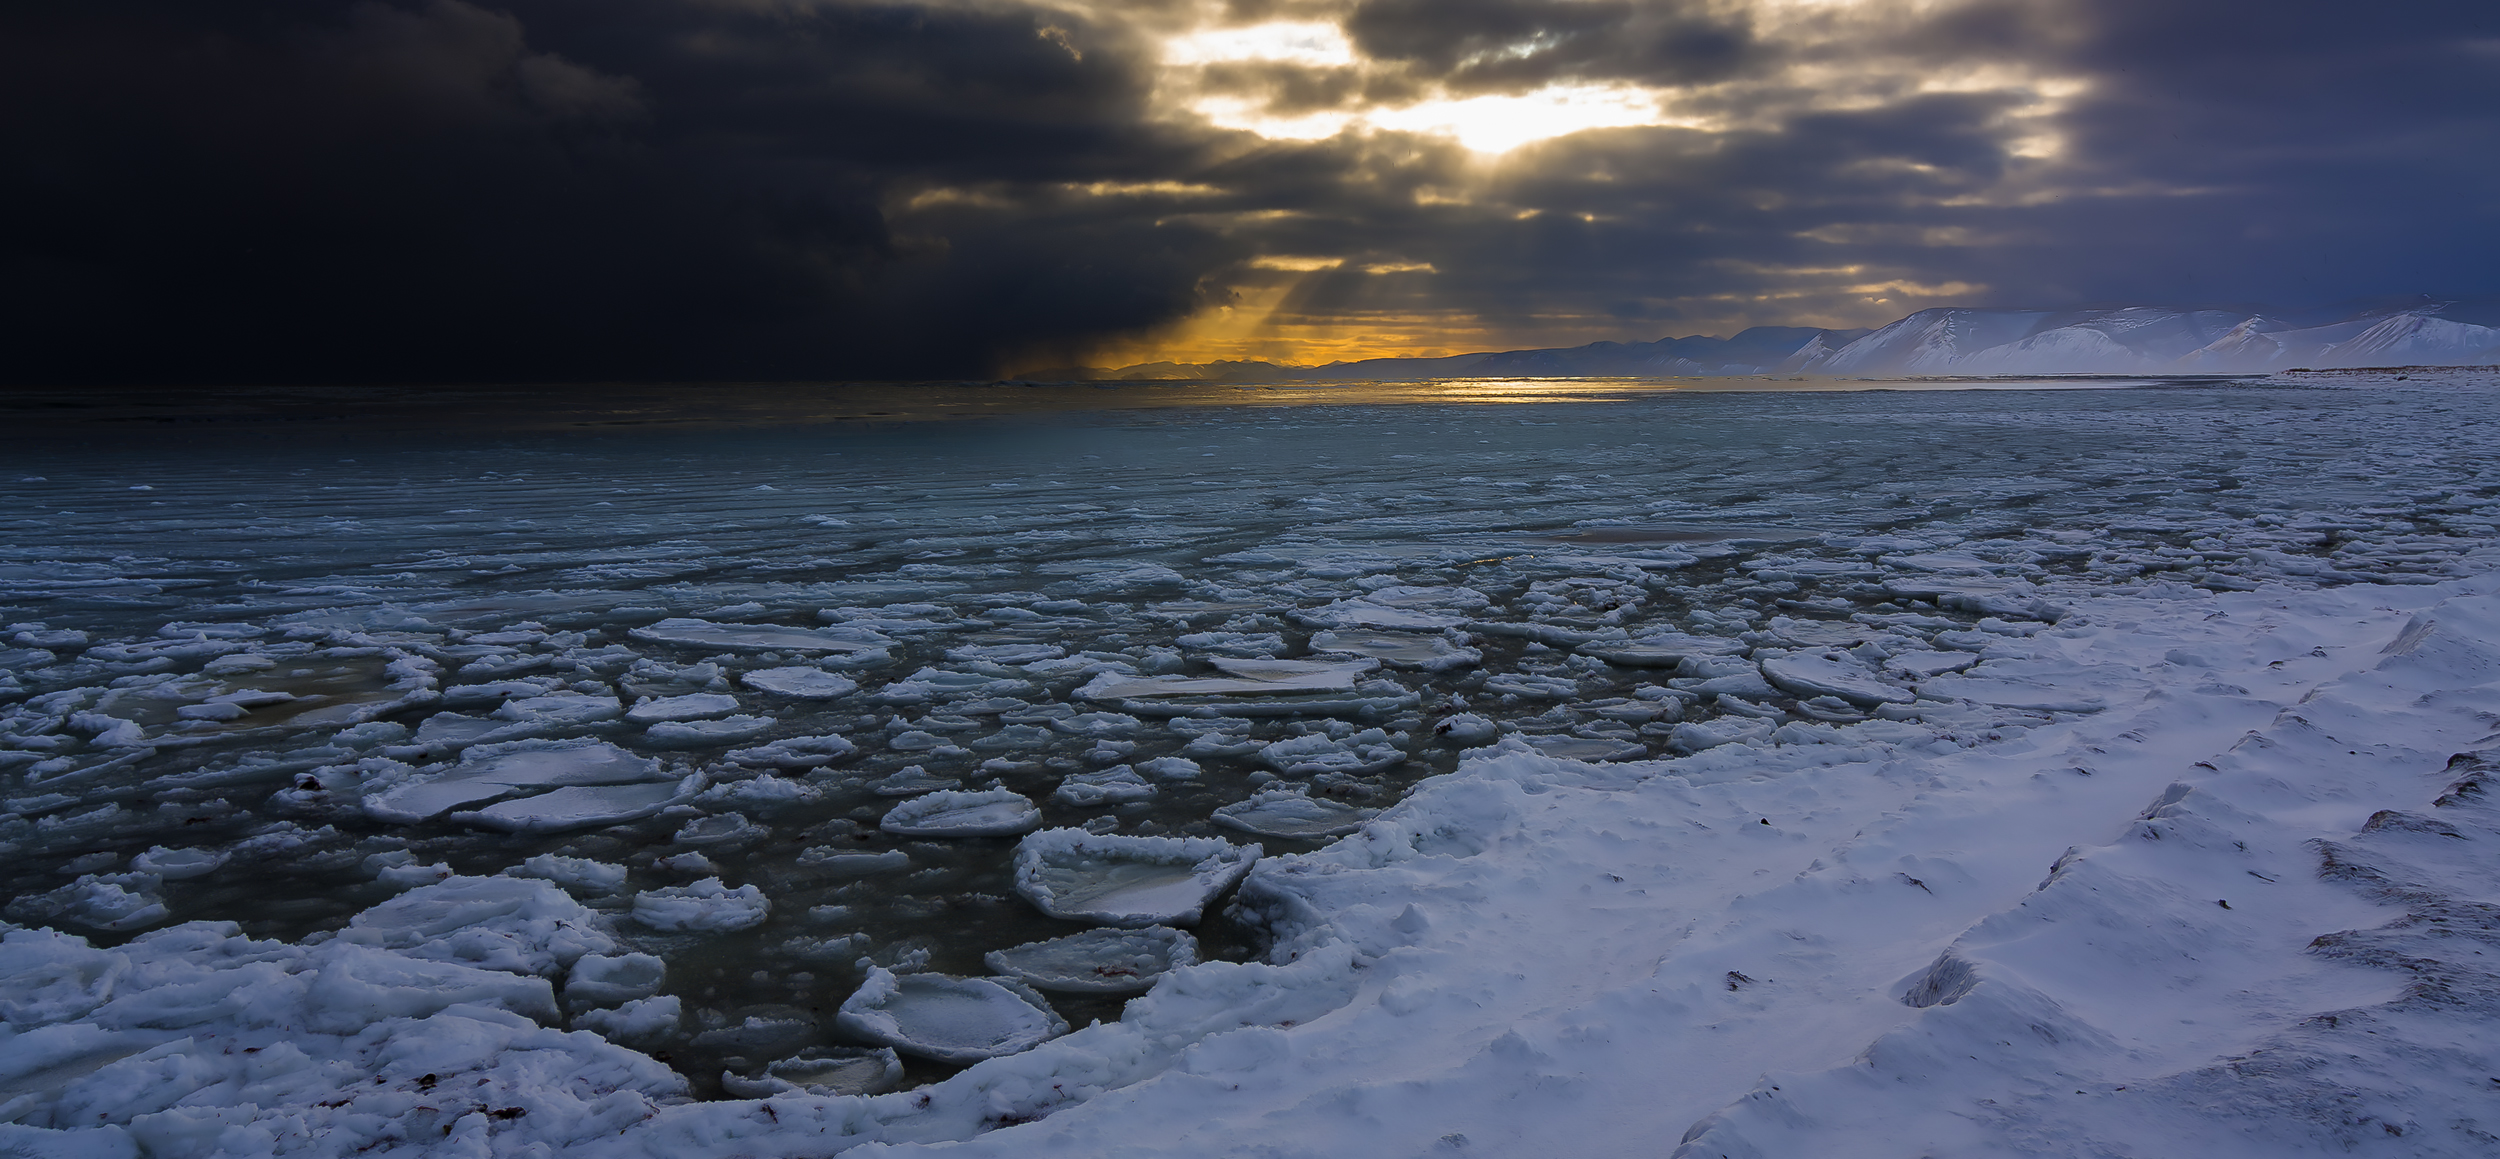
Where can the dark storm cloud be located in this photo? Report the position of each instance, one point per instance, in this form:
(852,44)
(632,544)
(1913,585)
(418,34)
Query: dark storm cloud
(560,189)
(658,189)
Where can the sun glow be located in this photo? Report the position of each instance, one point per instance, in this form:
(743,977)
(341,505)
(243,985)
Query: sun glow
(1489,124)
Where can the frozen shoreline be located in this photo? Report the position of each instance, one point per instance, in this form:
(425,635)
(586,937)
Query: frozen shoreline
(1543,956)
(533,793)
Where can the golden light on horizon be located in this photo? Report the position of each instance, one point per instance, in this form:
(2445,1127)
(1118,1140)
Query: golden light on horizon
(1308,79)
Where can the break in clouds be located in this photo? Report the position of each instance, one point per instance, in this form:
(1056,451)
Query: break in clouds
(414,190)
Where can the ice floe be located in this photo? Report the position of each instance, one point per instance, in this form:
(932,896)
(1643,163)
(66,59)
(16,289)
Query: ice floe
(1289,813)
(707,906)
(949,1019)
(1104,961)
(821,1071)
(989,813)
(800,683)
(491,772)
(1127,881)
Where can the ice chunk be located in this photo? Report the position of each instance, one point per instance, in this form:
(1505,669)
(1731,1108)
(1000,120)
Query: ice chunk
(493,771)
(1580,748)
(118,901)
(498,691)
(1250,687)
(1364,752)
(697,733)
(798,752)
(1291,814)
(836,861)
(643,1022)
(1301,673)
(1097,724)
(1533,686)
(764,790)
(949,1019)
(1360,613)
(1006,653)
(694,706)
(1127,881)
(824,1070)
(576,874)
(178,864)
(939,683)
(612,980)
(706,906)
(717,829)
(1110,786)
(1693,738)
(561,710)
(581,806)
(1811,675)
(1924,665)
(994,813)
(912,780)
(357,986)
(1665,650)
(48,977)
(1108,961)
(1467,728)
(761,637)
(1170,769)
(801,683)
(1399,649)
(518,925)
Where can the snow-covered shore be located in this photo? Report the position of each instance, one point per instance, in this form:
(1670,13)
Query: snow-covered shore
(1869,939)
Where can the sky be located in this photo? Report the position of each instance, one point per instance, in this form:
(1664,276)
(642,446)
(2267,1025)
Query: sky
(408,191)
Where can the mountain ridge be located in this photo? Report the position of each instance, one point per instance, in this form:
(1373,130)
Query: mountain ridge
(1956,341)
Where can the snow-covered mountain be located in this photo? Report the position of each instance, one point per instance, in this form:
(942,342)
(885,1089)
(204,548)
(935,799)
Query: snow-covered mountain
(1978,341)
(2156,339)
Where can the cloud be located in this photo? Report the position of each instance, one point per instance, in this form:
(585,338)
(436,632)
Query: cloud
(484,190)
(566,190)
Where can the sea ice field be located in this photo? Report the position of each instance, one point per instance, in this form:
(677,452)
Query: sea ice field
(2106,770)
